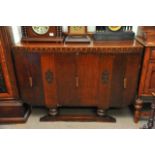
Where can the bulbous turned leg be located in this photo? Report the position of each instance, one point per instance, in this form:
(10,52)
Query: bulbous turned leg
(53,111)
(138,107)
(101,112)
(150,123)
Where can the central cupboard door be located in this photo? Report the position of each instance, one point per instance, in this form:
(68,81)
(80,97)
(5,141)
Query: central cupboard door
(77,79)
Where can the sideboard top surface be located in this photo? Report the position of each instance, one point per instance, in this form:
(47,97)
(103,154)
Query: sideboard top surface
(107,46)
(92,44)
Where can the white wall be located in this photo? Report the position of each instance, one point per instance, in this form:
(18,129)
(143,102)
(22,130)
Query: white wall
(17,31)
(92,28)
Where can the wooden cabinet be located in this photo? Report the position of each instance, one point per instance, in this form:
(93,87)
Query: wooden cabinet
(147,81)
(146,36)
(100,76)
(11,108)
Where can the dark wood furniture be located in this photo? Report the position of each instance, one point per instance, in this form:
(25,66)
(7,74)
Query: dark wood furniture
(12,110)
(99,75)
(146,36)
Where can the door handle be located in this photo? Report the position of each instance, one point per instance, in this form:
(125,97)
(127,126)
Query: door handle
(125,83)
(77,81)
(153,94)
(30,81)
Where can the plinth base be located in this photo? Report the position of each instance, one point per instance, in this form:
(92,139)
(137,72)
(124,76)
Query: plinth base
(13,111)
(85,115)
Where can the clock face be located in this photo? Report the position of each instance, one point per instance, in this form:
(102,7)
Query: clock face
(77,30)
(40,29)
(114,28)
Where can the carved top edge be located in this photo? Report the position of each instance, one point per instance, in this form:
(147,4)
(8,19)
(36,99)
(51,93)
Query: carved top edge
(102,44)
(79,50)
(108,47)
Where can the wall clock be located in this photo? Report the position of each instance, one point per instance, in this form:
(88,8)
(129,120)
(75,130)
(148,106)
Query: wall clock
(42,34)
(77,34)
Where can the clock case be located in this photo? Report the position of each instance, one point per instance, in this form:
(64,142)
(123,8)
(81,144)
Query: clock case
(103,33)
(28,34)
(70,33)
(77,38)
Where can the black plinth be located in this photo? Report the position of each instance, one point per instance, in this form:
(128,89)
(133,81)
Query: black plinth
(112,36)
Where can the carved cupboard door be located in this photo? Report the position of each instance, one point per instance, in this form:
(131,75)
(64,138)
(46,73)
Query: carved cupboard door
(49,80)
(28,70)
(106,64)
(117,81)
(130,81)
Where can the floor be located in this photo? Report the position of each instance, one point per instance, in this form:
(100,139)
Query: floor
(124,120)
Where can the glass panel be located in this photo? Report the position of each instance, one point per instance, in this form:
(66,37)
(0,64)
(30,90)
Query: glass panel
(2,81)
